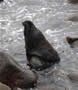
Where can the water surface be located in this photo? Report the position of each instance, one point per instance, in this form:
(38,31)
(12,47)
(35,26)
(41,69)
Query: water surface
(51,17)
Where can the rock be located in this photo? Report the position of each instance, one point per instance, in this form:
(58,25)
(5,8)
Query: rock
(73,1)
(4,87)
(35,62)
(13,75)
(51,87)
(72,41)
(73,76)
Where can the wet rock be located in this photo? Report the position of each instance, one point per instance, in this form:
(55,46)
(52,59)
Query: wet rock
(38,47)
(13,75)
(52,87)
(57,80)
(73,19)
(73,1)
(4,87)
(73,76)
(35,62)
(72,41)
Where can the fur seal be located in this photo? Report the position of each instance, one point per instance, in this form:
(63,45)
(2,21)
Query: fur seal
(38,48)
(13,75)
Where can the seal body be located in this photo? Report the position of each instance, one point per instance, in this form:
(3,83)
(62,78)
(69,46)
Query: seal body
(37,46)
(13,75)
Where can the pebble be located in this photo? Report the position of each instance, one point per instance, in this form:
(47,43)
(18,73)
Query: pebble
(73,76)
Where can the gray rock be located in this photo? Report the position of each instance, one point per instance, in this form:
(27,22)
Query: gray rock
(13,75)
(4,87)
(35,61)
(73,76)
(52,87)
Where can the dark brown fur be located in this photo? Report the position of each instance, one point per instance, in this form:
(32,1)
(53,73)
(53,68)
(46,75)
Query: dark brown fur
(37,45)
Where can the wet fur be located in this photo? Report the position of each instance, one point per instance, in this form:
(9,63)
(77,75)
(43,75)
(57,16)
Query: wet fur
(37,45)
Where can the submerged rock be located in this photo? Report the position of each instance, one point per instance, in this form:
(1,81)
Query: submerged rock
(35,62)
(52,87)
(13,75)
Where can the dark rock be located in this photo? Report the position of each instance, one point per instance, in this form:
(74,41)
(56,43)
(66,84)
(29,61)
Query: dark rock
(71,40)
(37,46)
(51,87)
(73,19)
(73,1)
(13,75)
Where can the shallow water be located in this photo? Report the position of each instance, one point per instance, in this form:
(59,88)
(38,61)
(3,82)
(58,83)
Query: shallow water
(51,17)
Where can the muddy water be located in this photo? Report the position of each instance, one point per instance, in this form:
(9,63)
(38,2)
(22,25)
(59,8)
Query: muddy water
(51,17)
